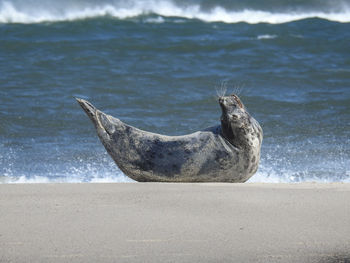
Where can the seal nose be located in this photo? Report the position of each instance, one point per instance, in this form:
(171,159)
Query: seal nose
(221,100)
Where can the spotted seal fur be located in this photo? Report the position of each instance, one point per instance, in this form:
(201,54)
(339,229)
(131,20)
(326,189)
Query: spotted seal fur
(229,152)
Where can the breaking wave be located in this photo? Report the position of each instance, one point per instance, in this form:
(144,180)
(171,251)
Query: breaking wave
(269,175)
(78,175)
(91,173)
(275,167)
(262,176)
(37,12)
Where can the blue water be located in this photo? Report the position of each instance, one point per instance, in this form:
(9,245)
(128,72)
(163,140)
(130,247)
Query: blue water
(158,65)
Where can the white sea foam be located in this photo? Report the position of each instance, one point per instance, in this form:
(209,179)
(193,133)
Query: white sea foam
(61,11)
(264,175)
(154,20)
(266,37)
(102,171)
(274,168)
(67,179)
(260,177)
(271,175)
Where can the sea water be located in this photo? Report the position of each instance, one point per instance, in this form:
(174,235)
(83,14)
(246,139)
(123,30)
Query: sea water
(159,65)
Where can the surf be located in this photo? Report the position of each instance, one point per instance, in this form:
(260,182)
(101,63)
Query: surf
(23,12)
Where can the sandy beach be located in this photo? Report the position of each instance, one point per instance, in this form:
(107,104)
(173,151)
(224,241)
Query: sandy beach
(152,222)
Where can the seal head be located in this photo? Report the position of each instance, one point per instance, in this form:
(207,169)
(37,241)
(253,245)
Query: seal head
(237,126)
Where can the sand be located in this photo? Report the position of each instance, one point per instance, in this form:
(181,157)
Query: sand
(157,222)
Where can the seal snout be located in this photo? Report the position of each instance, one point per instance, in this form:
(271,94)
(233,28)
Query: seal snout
(231,101)
(223,102)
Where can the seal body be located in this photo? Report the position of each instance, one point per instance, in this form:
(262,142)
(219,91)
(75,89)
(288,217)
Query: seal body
(229,152)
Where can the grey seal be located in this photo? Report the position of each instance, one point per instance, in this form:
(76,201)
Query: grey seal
(229,152)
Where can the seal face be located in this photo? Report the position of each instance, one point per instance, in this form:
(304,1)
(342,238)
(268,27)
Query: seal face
(229,152)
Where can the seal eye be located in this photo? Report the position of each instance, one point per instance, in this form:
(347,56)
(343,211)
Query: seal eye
(237,100)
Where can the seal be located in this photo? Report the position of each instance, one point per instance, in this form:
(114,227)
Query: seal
(229,152)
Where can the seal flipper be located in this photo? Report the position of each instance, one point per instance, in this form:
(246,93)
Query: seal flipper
(100,119)
(105,125)
(89,109)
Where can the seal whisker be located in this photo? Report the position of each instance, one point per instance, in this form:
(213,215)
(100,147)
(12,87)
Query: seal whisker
(221,89)
(238,89)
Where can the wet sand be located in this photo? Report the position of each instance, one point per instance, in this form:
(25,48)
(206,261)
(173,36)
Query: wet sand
(157,222)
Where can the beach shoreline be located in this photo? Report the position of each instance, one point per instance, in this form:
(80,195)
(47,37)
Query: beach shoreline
(171,222)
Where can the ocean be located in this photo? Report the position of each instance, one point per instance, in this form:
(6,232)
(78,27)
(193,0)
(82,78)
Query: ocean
(159,65)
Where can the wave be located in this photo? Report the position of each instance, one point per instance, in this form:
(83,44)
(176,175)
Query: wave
(260,177)
(273,168)
(260,37)
(16,167)
(37,12)
(69,178)
(264,175)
